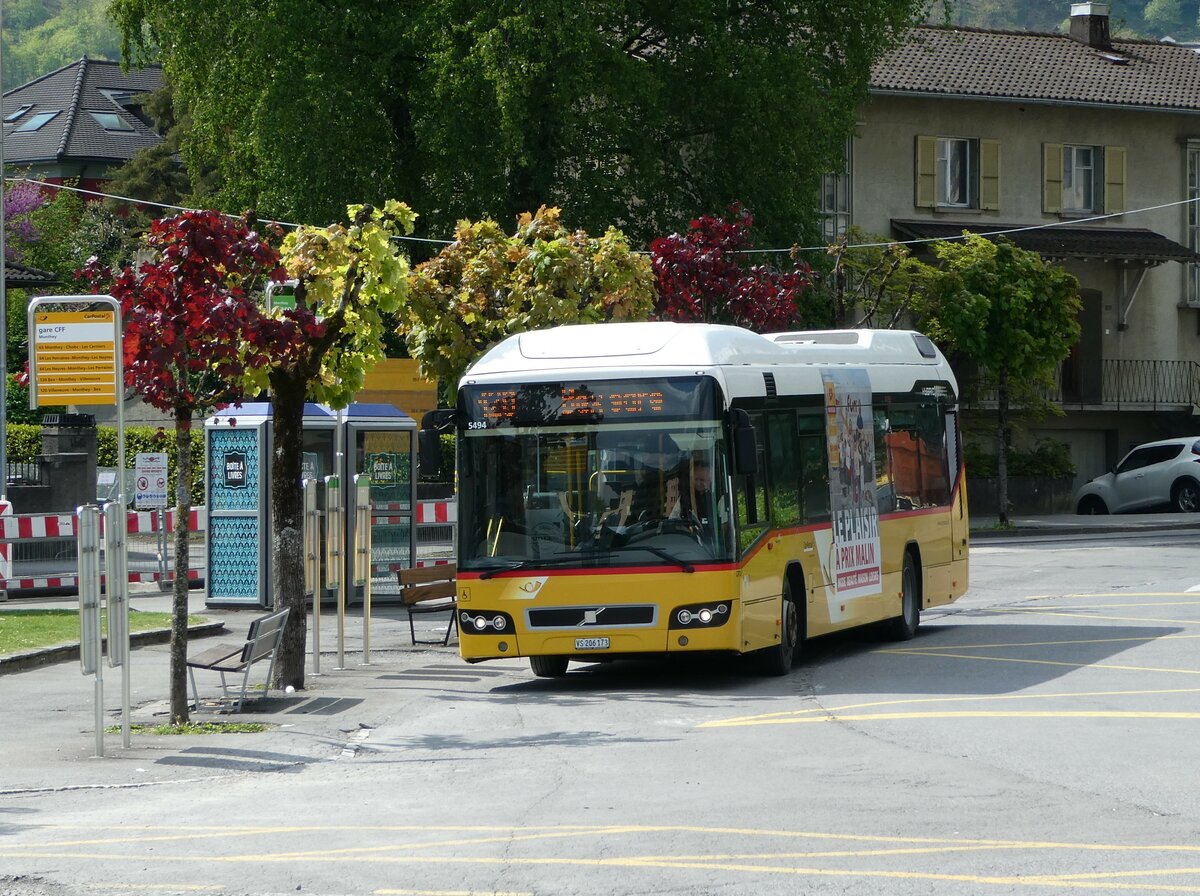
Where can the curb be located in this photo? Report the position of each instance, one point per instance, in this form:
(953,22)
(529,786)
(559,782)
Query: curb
(1104,529)
(61,653)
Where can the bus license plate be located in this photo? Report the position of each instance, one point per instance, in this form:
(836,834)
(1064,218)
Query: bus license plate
(591,643)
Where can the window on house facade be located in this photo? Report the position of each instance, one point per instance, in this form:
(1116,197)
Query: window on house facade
(1078,179)
(957,172)
(1081,184)
(835,200)
(1193,221)
(956,163)
(18,112)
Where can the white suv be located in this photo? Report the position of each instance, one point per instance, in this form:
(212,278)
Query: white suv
(1151,475)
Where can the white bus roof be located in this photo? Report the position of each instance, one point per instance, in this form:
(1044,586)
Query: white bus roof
(631,349)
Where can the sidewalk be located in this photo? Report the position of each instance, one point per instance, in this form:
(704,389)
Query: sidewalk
(983,527)
(48,734)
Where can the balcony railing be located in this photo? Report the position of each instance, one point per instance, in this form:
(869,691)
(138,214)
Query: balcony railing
(1135,385)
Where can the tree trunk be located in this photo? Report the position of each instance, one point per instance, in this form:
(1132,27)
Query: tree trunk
(1005,436)
(287,510)
(179,602)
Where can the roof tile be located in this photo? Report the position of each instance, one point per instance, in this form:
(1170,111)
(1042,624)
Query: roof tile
(1032,66)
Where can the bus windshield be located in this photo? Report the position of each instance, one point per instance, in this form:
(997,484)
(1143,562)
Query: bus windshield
(620,494)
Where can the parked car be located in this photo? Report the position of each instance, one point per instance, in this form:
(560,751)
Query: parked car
(1157,474)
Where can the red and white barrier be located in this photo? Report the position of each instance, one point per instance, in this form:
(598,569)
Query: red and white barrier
(45,526)
(35,527)
(433,512)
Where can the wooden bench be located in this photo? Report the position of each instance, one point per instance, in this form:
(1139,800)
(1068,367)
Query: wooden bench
(261,643)
(430,589)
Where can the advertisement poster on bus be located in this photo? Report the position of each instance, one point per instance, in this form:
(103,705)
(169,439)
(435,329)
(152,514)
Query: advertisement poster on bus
(849,430)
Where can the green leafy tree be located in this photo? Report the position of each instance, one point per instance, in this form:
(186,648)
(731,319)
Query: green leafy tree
(157,173)
(872,282)
(487,285)
(1013,314)
(43,35)
(348,276)
(638,114)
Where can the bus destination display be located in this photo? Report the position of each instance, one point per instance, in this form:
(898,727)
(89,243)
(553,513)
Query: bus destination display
(535,404)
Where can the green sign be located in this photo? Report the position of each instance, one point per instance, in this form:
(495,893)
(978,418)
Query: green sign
(384,468)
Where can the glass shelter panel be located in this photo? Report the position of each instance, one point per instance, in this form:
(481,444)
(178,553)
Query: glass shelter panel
(385,455)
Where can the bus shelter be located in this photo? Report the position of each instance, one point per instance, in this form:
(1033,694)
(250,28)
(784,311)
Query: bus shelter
(375,440)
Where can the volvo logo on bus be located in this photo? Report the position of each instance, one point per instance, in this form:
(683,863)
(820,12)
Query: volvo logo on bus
(592,617)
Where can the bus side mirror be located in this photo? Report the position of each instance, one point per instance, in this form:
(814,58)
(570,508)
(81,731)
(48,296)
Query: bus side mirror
(429,454)
(745,446)
(429,445)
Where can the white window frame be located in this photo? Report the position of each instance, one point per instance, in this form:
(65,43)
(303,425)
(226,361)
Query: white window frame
(1080,176)
(835,200)
(952,151)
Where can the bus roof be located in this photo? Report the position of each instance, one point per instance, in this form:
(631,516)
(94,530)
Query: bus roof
(663,344)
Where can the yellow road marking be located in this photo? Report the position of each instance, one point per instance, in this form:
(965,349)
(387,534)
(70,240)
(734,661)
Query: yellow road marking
(667,862)
(983,714)
(1059,663)
(785,717)
(449,893)
(1033,611)
(199,888)
(933,648)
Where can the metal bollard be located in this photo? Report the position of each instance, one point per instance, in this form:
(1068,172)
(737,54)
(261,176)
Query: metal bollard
(88,519)
(334,535)
(362,554)
(312,563)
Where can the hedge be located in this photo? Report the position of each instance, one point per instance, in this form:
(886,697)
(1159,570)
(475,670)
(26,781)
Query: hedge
(25,443)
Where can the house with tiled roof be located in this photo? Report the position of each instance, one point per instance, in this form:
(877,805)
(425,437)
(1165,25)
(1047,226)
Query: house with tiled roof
(1080,147)
(78,122)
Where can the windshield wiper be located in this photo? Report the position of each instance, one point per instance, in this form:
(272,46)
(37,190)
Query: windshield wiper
(659,552)
(526,564)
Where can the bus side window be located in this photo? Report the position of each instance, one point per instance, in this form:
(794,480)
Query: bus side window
(812,464)
(888,483)
(750,494)
(781,455)
(916,457)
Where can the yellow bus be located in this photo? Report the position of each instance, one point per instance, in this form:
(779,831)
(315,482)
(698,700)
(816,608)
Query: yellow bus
(662,488)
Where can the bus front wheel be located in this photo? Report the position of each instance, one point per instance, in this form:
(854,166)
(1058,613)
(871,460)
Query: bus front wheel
(904,626)
(548,666)
(778,660)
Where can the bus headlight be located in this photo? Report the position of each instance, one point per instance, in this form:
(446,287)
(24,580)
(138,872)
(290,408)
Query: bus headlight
(484,622)
(709,615)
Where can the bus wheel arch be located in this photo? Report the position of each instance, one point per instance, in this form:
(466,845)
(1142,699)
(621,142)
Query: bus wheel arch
(779,659)
(548,666)
(904,626)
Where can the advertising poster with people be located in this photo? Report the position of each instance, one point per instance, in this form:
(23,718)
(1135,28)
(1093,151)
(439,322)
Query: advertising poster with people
(849,430)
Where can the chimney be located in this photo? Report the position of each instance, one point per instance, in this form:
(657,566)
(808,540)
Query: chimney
(1089,24)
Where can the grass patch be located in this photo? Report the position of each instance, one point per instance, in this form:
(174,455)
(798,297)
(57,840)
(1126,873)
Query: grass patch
(31,629)
(195,728)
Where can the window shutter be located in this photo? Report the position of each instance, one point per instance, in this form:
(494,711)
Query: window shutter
(1052,177)
(989,174)
(1114,180)
(926,175)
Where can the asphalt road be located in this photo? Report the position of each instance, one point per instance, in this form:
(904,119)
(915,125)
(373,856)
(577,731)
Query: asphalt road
(1039,736)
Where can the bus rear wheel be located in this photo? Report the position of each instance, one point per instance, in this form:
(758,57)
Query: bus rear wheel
(778,660)
(548,666)
(904,626)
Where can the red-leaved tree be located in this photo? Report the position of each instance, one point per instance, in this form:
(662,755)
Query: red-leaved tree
(190,313)
(704,275)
